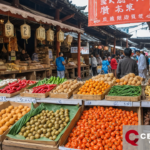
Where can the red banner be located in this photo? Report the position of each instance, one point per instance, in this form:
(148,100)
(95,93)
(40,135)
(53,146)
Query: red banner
(110,12)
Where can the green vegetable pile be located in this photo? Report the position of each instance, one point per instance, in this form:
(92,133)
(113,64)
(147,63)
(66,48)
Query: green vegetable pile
(125,90)
(51,80)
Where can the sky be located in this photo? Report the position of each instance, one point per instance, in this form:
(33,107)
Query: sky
(81,3)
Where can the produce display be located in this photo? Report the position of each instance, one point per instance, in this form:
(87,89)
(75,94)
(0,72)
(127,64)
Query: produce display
(92,87)
(147,118)
(130,79)
(5,82)
(107,78)
(16,86)
(41,89)
(101,128)
(51,80)
(125,90)
(10,115)
(67,86)
(147,91)
(46,124)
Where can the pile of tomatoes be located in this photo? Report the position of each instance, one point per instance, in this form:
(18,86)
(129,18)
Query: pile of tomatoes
(92,87)
(101,128)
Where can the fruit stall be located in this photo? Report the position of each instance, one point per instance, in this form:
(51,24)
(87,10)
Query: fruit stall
(51,113)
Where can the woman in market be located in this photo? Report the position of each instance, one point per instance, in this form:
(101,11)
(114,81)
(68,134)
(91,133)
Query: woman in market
(114,64)
(105,65)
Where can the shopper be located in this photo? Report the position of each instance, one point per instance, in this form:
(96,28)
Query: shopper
(114,65)
(127,65)
(105,65)
(35,56)
(99,60)
(142,67)
(109,59)
(93,65)
(60,63)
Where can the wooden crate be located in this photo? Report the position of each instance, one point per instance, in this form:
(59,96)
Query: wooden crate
(35,95)
(79,113)
(0,146)
(63,95)
(13,94)
(15,145)
(148,98)
(89,97)
(49,144)
(5,105)
(123,98)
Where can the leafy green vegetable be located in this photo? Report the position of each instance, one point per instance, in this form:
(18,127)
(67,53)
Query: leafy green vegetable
(125,90)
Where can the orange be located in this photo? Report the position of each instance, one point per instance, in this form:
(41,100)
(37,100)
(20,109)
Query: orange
(11,107)
(7,124)
(3,111)
(18,111)
(4,116)
(15,108)
(8,110)
(20,107)
(1,131)
(24,112)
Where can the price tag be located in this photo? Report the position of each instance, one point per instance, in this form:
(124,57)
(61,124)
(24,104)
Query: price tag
(88,103)
(145,104)
(122,103)
(26,100)
(3,99)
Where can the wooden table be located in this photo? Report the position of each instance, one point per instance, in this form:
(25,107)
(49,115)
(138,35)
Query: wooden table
(29,74)
(72,72)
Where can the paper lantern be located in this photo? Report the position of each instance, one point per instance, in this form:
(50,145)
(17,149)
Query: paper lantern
(9,30)
(50,35)
(40,33)
(60,36)
(106,48)
(25,31)
(99,47)
(69,39)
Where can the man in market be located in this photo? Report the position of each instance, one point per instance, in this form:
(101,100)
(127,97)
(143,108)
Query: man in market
(24,56)
(60,63)
(127,65)
(142,67)
(99,60)
(93,65)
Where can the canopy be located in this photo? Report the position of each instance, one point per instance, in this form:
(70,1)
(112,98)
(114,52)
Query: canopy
(21,14)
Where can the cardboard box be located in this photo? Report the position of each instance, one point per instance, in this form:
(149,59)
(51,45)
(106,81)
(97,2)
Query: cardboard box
(6,105)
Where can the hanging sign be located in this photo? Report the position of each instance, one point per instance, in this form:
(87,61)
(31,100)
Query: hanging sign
(110,12)
(83,50)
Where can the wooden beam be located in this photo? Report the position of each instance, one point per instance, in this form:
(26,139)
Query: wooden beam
(16,3)
(67,17)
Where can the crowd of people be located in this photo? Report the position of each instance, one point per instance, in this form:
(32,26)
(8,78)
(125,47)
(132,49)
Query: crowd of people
(137,63)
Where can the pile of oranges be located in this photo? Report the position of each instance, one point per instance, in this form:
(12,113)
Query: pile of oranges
(11,115)
(92,87)
(101,128)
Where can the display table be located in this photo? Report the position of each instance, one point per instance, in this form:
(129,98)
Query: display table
(30,74)
(71,72)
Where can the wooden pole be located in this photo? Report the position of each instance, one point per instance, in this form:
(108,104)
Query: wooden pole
(79,48)
(114,45)
(126,43)
(57,16)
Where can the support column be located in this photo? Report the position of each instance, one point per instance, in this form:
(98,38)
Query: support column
(57,17)
(126,43)
(79,48)
(114,45)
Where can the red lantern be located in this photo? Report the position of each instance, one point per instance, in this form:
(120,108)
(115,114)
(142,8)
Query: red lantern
(100,47)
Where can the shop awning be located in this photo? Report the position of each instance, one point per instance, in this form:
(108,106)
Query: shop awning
(117,47)
(21,14)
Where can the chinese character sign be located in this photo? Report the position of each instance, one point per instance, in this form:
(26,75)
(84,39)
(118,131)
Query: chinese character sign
(109,12)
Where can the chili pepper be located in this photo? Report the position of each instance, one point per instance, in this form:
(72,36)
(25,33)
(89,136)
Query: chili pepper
(18,89)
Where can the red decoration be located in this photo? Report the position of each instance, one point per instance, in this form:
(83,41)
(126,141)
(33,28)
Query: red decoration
(109,12)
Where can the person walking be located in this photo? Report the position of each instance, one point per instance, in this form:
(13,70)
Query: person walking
(105,65)
(99,60)
(93,65)
(127,65)
(142,67)
(60,63)
(114,64)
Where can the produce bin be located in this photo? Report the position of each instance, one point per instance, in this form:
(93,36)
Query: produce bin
(89,97)
(64,138)
(4,106)
(47,143)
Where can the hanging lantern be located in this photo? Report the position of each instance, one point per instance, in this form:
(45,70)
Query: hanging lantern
(40,33)
(60,36)
(106,48)
(69,39)
(50,35)
(9,30)
(25,31)
(99,47)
